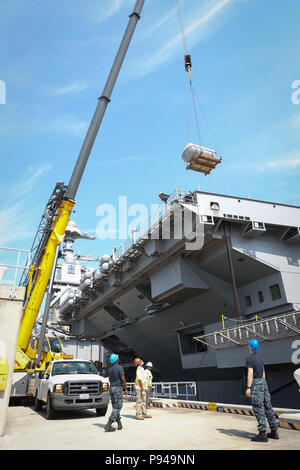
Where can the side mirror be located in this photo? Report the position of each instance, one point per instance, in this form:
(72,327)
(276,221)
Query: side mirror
(41,374)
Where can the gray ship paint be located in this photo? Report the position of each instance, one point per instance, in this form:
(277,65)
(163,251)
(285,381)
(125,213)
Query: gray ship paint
(157,289)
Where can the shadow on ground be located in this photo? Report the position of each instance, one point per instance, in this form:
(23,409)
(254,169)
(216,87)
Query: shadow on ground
(236,433)
(128,416)
(61,415)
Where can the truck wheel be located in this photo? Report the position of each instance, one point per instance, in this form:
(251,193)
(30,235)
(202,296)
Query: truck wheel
(50,412)
(101,411)
(37,403)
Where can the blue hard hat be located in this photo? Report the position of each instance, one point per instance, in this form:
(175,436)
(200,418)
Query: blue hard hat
(113,358)
(254,344)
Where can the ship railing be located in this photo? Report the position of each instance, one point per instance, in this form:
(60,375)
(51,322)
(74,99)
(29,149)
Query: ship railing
(268,329)
(150,227)
(14,262)
(170,390)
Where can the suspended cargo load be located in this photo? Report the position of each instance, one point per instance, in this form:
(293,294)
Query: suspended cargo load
(200,158)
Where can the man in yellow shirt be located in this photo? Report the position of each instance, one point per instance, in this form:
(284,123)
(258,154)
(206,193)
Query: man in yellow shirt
(141,389)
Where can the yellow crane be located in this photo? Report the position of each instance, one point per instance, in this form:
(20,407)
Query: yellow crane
(57,213)
(37,281)
(53,224)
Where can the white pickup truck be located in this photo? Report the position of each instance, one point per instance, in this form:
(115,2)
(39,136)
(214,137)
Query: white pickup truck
(71,384)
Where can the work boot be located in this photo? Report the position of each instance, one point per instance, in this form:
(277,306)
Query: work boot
(140,417)
(108,427)
(273,434)
(260,437)
(119,424)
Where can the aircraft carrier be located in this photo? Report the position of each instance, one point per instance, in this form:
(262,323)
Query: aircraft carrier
(204,275)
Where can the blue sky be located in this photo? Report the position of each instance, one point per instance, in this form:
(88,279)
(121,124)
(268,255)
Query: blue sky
(54,59)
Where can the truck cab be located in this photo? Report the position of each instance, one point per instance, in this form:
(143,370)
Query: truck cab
(52,349)
(24,378)
(71,384)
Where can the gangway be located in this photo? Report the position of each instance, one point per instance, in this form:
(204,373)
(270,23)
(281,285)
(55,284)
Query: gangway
(268,329)
(170,390)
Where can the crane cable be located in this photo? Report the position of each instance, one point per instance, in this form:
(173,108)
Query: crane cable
(182,27)
(188,67)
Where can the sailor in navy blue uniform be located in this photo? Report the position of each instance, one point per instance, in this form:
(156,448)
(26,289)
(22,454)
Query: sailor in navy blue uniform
(257,390)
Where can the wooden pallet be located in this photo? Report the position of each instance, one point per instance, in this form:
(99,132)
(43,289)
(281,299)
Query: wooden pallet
(204,164)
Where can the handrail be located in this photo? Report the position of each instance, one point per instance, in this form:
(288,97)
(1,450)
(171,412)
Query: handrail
(252,328)
(169,390)
(151,223)
(17,267)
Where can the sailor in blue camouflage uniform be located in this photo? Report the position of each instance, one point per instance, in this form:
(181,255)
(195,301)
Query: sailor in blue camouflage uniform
(118,386)
(257,390)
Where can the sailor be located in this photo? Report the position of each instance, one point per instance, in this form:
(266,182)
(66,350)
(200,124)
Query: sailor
(116,377)
(257,390)
(141,390)
(149,378)
(99,367)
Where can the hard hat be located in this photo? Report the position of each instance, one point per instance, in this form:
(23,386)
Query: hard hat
(113,358)
(149,364)
(137,361)
(254,344)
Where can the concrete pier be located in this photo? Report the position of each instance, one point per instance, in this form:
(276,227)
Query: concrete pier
(11,303)
(169,429)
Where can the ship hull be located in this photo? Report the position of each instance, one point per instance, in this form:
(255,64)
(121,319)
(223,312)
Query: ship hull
(242,265)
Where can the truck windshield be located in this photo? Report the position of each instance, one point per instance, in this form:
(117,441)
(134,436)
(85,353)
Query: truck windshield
(55,344)
(61,368)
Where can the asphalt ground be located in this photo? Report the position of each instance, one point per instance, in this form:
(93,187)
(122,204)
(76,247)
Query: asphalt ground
(169,429)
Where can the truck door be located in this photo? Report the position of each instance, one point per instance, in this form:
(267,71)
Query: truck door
(44,384)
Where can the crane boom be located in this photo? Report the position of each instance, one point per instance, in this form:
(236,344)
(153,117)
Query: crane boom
(44,272)
(104,100)
(39,275)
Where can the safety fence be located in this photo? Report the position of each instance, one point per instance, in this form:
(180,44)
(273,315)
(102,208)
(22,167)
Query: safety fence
(170,390)
(13,262)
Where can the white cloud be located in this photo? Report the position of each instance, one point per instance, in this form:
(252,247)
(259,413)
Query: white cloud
(123,160)
(30,180)
(290,162)
(16,215)
(170,16)
(64,124)
(74,87)
(14,225)
(199,22)
(67,124)
(286,164)
(101,10)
